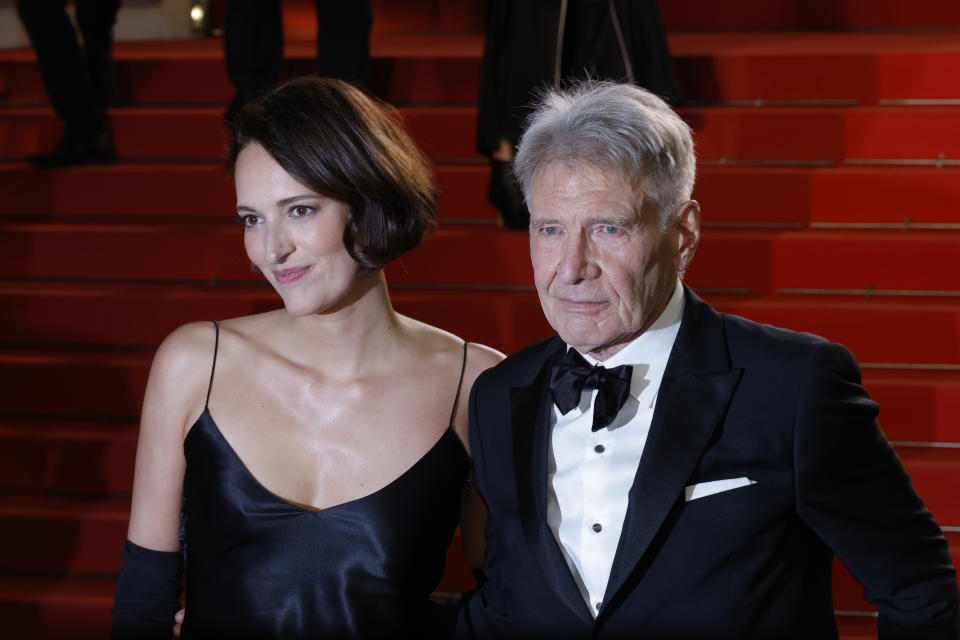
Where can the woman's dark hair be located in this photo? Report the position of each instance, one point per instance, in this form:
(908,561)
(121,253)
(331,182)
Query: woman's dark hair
(344,144)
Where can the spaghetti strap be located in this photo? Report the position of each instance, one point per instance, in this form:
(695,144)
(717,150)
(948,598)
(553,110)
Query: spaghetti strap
(216,345)
(456,398)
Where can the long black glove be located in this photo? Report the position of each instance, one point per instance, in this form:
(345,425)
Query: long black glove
(148,593)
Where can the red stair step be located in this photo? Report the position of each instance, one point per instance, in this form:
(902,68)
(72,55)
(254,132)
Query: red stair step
(861,68)
(79,383)
(58,455)
(826,134)
(887,195)
(771,261)
(62,534)
(37,314)
(704,15)
(828,196)
(873,328)
(56,608)
(916,405)
(121,190)
(883,260)
(903,133)
(785,134)
(161,250)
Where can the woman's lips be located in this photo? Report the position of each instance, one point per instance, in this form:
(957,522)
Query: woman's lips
(286,276)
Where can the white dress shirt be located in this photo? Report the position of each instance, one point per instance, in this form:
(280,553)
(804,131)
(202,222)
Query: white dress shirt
(589,474)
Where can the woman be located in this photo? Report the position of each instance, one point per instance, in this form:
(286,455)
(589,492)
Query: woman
(317,452)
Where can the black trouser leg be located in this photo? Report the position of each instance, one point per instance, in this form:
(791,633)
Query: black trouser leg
(96,19)
(343,39)
(64,72)
(253,45)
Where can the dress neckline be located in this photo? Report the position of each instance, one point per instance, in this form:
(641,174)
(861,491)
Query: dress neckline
(207,418)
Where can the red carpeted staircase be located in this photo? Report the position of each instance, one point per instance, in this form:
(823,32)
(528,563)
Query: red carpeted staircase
(829,138)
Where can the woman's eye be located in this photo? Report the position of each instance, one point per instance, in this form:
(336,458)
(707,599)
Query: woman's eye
(300,210)
(249,220)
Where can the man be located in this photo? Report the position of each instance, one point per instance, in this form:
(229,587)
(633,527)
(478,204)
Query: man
(660,470)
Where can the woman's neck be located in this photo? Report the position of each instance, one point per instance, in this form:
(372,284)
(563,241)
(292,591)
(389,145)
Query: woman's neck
(358,335)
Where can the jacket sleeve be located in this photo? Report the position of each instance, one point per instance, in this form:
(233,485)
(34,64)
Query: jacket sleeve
(853,491)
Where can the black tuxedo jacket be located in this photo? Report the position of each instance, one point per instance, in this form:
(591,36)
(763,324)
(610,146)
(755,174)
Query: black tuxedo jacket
(738,399)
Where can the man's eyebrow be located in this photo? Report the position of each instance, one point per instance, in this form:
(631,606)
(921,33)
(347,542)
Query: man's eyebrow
(540,222)
(614,220)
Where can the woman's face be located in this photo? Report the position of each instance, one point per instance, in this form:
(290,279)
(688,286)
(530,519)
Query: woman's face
(293,235)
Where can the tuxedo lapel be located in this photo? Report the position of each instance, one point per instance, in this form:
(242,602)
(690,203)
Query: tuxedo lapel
(530,415)
(696,389)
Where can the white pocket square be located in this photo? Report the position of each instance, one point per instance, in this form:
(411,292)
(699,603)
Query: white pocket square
(703,489)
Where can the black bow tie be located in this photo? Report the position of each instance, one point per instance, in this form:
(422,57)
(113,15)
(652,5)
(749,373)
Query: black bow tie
(573,374)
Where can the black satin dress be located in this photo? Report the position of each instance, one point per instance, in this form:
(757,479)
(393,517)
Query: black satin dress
(258,566)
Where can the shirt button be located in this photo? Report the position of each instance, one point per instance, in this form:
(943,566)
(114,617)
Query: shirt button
(597,606)
(597,527)
(599,448)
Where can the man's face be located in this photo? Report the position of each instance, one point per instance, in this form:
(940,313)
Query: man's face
(603,267)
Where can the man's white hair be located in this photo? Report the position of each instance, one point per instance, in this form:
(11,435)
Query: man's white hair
(616,127)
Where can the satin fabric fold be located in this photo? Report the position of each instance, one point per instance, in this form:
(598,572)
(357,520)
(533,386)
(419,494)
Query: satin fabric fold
(260,566)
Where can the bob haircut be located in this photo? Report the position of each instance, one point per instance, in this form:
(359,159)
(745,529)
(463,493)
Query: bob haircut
(344,144)
(617,127)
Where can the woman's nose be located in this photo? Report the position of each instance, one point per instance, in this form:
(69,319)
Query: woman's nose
(278,244)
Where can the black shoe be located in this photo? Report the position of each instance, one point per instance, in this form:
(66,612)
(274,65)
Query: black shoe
(72,152)
(505,195)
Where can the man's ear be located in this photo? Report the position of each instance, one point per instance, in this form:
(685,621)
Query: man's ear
(688,238)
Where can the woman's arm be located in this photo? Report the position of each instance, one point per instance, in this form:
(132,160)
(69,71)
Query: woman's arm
(473,510)
(176,392)
(149,580)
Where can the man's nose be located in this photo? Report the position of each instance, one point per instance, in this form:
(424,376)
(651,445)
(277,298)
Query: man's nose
(279,245)
(576,262)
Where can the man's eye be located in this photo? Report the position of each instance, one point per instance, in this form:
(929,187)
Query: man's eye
(550,231)
(610,229)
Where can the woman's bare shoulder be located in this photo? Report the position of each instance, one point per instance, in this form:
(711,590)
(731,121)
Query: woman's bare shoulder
(186,346)
(480,357)
(437,340)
